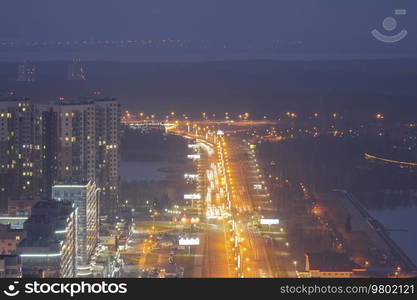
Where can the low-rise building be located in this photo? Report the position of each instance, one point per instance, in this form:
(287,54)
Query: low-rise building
(15,222)
(21,207)
(10,266)
(9,238)
(330,265)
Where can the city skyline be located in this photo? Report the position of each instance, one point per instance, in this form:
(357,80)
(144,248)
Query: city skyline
(239,139)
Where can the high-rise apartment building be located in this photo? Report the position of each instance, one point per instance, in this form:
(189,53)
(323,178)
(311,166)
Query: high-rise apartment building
(88,138)
(86,199)
(108,153)
(65,142)
(22,151)
(75,141)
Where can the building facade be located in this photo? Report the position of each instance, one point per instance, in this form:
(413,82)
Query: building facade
(50,247)
(64,142)
(10,266)
(21,150)
(75,124)
(21,207)
(88,139)
(15,222)
(9,238)
(330,265)
(108,139)
(86,199)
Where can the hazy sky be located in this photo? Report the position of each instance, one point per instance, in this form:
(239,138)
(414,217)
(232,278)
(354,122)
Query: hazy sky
(321,24)
(247,19)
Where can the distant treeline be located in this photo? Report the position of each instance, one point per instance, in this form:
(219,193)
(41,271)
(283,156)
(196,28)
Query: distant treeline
(258,86)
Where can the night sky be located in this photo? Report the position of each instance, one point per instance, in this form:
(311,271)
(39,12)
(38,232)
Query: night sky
(317,23)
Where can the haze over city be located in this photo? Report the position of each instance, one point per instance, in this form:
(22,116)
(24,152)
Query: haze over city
(208,139)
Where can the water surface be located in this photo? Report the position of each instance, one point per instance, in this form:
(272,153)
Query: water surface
(143,170)
(403,223)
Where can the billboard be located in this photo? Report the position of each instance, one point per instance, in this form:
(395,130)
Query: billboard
(189,241)
(257,186)
(269,221)
(193,156)
(190,176)
(192,197)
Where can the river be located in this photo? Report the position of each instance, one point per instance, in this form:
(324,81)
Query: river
(403,223)
(132,170)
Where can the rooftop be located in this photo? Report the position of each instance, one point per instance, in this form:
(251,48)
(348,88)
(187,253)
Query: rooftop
(51,243)
(85,101)
(330,261)
(10,258)
(13,99)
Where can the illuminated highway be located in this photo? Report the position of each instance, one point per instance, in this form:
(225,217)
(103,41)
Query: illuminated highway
(230,215)
(235,199)
(259,249)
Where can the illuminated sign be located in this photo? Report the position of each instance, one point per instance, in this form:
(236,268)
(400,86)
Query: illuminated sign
(269,221)
(257,186)
(252,146)
(193,156)
(41,255)
(189,241)
(190,176)
(192,197)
